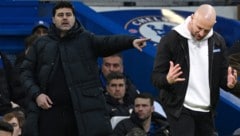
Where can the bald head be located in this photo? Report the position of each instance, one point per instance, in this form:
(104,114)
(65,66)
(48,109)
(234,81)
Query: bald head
(206,13)
(202,21)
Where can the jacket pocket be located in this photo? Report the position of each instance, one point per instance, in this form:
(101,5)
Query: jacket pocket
(92,99)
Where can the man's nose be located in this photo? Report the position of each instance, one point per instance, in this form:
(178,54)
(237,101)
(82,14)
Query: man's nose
(202,33)
(111,68)
(140,108)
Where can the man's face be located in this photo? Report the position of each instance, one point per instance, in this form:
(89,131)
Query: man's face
(200,27)
(64,19)
(16,128)
(41,31)
(116,88)
(143,108)
(112,64)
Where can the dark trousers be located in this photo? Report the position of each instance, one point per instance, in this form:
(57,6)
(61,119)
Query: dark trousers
(57,122)
(192,123)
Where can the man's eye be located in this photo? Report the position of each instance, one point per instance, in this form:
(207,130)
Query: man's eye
(116,66)
(60,15)
(68,14)
(107,65)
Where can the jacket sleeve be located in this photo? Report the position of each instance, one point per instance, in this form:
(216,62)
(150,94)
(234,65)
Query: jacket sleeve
(8,68)
(28,71)
(161,64)
(108,45)
(219,41)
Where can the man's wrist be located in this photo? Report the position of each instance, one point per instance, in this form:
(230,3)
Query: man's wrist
(35,95)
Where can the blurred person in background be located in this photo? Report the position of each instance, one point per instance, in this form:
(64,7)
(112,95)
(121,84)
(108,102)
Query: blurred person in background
(234,60)
(40,28)
(8,94)
(6,129)
(114,63)
(16,119)
(144,118)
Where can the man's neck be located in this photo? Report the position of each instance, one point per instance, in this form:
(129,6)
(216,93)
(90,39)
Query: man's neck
(62,34)
(121,101)
(147,124)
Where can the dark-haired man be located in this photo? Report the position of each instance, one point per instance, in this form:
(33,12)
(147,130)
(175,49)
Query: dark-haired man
(114,63)
(143,117)
(118,101)
(61,72)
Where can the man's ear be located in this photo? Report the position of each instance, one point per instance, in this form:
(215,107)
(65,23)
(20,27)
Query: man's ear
(152,109)
(126,86)
(192,16)
(53,20)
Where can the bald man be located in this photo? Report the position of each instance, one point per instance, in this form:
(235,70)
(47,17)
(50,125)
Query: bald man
(189,69)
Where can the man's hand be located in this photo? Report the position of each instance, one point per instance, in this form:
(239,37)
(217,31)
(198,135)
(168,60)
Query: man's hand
(140,43)
(174,73)
(232,77)
(44,101)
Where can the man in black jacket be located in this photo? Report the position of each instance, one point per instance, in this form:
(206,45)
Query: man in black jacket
(9,95)
(118,101)
(189,69)
(61,72)
(143,117)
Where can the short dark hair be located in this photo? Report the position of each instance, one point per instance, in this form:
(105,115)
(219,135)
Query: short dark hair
(115,55)
(145,96)
(19,115)
(63,4)
(115,75)
(4,126)
(118,54)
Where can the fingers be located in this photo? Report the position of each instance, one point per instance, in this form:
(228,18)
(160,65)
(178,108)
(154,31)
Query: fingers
(232,71)
(229,70)
(138,48)
(174,73)
(49,100)
(232,77)
(143,42)
(171,64)
(48,103)
(175,70)
(235,73)
(44,101)
(146,39)
(140,43)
